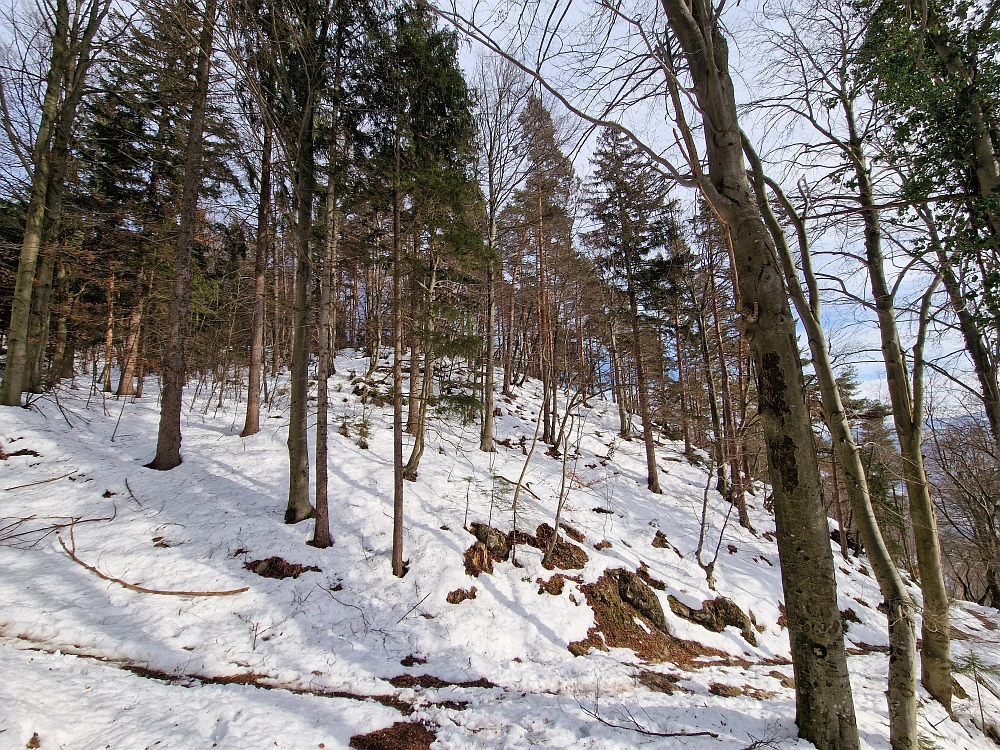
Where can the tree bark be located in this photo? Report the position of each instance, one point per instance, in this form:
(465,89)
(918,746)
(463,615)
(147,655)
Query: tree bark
(398,566)
(652,476)
(825,710)
(900,608)
(299,508)
(251,425)
(168,444)
(321,535)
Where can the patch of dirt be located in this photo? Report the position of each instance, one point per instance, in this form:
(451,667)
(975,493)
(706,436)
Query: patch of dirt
(275,567)
(602,510)
(861,649)
(660,683)
(411,660)
(785,680)
(575,534)
(660,540)
(848,616)
(758,694)
(478,560)
(555,584)
(435,683)
(716,615)
(725,691)
(400,736)
(986,621)
(617,625)
(565,555)
(603,544)
(455,597)
(782,616)
(643,572)
(25,452)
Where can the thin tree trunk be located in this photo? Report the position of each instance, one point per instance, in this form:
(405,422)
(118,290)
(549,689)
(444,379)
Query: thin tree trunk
(130,353)
(652,476)
(321,535)
(109,332)
(398,566)
(168,443)
(681,383)
(427,383)
(486,433)
(251,425)
(907,415)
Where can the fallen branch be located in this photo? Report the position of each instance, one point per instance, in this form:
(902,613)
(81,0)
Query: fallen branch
(43,481)
(637,727)
(132,586)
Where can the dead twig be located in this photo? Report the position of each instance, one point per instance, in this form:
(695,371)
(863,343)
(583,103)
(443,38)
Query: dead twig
(413,608)
(11,534)
(132,586)
(132,494)
(43,481)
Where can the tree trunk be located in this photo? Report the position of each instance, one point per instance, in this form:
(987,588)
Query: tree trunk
(130,353)
(486,433)
(109,332)
(17,334)
(426,384)
(681,384)
(652,476)
(168,444)
(299,508)
(900,609)
(398,566)
(321,535)
(907,414)
(251,425)
(825,710)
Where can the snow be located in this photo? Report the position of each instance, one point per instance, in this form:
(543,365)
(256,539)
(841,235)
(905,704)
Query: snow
(321,646)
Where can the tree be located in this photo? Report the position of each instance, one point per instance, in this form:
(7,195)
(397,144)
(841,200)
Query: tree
(168,444)
(501,90)
(72,31)
(823,693)
(627,197)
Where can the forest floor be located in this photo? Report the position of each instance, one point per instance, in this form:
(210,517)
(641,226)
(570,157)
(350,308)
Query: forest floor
(344,650)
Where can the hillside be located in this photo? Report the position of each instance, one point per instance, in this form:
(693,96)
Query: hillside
(576,657)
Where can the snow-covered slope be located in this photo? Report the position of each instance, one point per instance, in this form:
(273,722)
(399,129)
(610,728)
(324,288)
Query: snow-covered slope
(349,649)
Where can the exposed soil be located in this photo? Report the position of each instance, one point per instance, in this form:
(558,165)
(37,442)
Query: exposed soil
(25,452)
(716,615)
(726,691)
(400,736)
(478,560)
(660,683)
(457,597)
(617,626)
(412,660)
(435,683)
(643,573)
(565,556)
(555,584)
(275,567)
(575,534)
